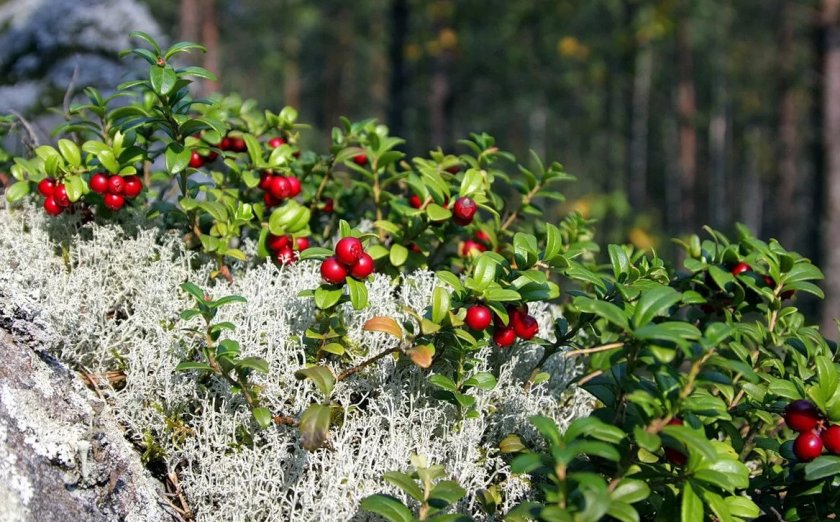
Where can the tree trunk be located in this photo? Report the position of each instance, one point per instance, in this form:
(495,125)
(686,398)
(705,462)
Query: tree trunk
(687,134)
(190,20)
(830,28)
(639,126)
(210,39)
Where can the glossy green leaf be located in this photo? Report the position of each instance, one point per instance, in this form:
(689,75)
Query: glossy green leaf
(314,426)
(405,483)
(358,293)
(262,416)
(320,375)
(387,507)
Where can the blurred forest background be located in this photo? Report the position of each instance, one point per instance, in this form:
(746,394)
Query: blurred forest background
(673,114)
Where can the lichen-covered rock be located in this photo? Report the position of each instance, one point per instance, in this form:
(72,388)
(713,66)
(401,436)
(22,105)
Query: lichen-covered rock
(43,42)
(110,298)
(62,454)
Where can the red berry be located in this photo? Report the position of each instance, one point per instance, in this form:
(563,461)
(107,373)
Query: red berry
(270,201)
(276,142)
(801,416)
(482,236)
(52,207)
(329,206)
(363,267)
(116,185)
(415,201)
(674,456)
(464,211)
(279,187)
(114,201)
(238,145)
(285,255)
(504,336)
(360,159)
(294,186)
(302,243)
(807,446)
(196,161)
(454,169)
(60,195)
(133,186)
(787,294)
(265,180)
(99,183)
(211,156)
(348,250)
(277,243)
(471,248)
(831,439)
(478,317)
(526,326)
(225,144)
(46,187)
(740,268)
(333,271)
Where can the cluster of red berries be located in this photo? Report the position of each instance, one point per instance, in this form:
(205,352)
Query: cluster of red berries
(349,259)
(277,188)
(803,417)
(115,188)
(233,144)
(520,324)
(55,196)
(478,244)
(284,247)
(742,268)
(197,160)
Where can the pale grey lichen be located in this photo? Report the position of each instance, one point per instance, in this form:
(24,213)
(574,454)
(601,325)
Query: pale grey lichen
(112,300)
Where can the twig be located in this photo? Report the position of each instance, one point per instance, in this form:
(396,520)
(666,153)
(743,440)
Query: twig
(172,477)
(589,377)
(364,364)
(595,349)
(68,94)
(32,143)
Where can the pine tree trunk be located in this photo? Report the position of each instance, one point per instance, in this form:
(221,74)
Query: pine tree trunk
(210,39)
(687,134)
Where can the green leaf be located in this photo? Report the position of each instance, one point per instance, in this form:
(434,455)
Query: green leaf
(630,491)
(694,441)
(228,299)
(437,213)
(186,315)
(398,255)
(358,293)
(327,298)
(405,483)
(482,380)
(502,295)
(742,507)
(193,365)
(262,416)
(445,493)
(17,191)
(691,509)
(547,428)
(387,507)
(318,253)
(608,311)
(257,364)
(315,426)
(654,302)
(623,512)
(443,382)
(821,467)
(619,260)
(440,304)
(70,151)
(193,290)
(595,428)
(484,272)
(163,79)
(320,375)
(177,157)
(146,38)
(512,444)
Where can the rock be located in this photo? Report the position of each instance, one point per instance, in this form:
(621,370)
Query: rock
(62,454)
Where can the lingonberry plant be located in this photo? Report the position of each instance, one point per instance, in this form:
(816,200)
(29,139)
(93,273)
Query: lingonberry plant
(712,397)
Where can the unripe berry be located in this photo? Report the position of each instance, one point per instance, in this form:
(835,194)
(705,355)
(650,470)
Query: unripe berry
(196,161)
(276,142)
(294,186)
(279,187)
(116,184)
(807,446)
(348,250)
(51,206)
(801,416)
(60,195)
(478,317)
(99,183)
(464,211)
(740,268)
(114,201)
(363,267)
(46,187)
(333,271)
(504,336)
(360,159)
(831,439)
(133,186)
